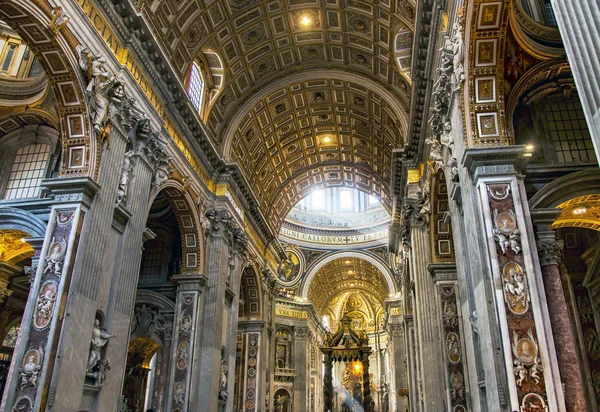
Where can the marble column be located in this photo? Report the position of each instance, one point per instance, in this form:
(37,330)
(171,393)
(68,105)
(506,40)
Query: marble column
(328,383)
(578,22)
(366,384)
(225,248)
(550,254)
(427,321)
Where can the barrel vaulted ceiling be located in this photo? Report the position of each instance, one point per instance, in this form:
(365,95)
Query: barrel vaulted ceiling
(346,275)
(304,93)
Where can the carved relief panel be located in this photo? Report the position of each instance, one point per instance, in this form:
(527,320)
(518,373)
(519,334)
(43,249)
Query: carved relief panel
(45,299)
(451,324)
(515,283)
(183,341)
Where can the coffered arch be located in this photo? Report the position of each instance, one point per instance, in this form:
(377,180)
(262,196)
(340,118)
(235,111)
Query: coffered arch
(347,285)
(373,269)
(319,128)
(259,42)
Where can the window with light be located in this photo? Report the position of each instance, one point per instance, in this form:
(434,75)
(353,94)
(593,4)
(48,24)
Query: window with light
(27,172)
(195,87)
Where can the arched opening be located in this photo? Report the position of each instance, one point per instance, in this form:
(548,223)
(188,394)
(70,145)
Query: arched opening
(352,291)
(171,247)
(140,373)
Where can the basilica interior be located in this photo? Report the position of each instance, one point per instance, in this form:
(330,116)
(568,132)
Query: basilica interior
(299,205)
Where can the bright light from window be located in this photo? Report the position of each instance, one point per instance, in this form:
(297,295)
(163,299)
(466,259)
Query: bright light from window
(195,87)
(345,199)
(318,199)
(373,200)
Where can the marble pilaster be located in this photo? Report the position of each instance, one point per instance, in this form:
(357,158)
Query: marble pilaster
(530,365)
(184,344)
(427,320)
(400,379)
(225,249)
(42,320)
(302,336)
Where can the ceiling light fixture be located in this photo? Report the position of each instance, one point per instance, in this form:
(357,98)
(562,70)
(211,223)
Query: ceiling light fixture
(347,262)
(580,211)
(305,21)
(326,139)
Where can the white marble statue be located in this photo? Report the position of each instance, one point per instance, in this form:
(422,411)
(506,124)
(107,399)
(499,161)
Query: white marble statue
(99,340)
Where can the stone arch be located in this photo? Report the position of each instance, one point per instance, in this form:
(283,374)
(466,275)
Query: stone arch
(251,293)
(329,257)
(80,151)
(186,213)
(158,301)
(565,188)
(577,194)
(17,219)
(539,81)
(228,131)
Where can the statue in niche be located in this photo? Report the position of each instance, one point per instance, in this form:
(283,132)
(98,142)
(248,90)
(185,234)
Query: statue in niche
(96,366)
(31,368)
(281,402)
(100,84)
(223,394)
(125,175)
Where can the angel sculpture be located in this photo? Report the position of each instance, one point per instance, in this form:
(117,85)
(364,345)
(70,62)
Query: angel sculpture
(519,369)
(100,84)
(59,20)
(514,240)
(30,370)
(506,234)
(125,175)
(516,286)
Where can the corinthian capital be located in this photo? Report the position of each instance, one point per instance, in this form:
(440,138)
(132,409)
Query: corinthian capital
(219,223)
(240,241)
(550,251)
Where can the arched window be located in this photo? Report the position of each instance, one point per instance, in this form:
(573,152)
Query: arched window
(567,132)
(10,340)
(196,86)
(28,169)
